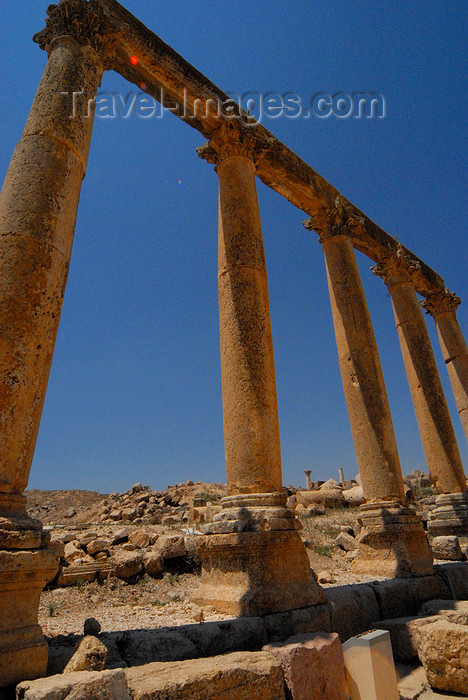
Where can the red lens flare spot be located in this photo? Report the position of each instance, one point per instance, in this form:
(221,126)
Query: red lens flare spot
(143,86)
(134,60)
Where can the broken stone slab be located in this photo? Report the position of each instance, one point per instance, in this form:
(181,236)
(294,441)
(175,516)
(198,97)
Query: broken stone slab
(313,666)
(451,610)
(238,676)
(171,546)
(84,685)
(127,564)
(403,635)
(346,541)
(353,609)
(443,651)
(447,547)
(354,496)
(90,655)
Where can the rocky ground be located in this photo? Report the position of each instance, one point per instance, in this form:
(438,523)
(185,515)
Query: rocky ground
(130,561)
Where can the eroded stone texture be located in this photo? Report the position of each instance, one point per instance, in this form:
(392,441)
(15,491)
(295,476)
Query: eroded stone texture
(313,666)
(90,655)
(442,307)
(443,651)
(23,649)
(256,573)
(435,425)
(238,676)
(85,685)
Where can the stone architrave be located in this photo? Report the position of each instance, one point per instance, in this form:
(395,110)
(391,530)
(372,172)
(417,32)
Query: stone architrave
(443,307)
(253,560)
(432,413)
(392,540)
(38,207)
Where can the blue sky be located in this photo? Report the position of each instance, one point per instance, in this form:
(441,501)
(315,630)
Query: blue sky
(135,387)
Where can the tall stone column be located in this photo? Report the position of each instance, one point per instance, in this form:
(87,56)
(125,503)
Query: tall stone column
(443,307)
(253,559)
(451,513)
(392,540)
(38,206)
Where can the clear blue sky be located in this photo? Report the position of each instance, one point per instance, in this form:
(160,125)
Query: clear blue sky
(135,388)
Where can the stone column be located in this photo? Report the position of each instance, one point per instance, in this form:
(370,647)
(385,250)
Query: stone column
(307,473)
(341,479)
(38,206)
(443,307)
(451,514)
(392,540)
(253,559)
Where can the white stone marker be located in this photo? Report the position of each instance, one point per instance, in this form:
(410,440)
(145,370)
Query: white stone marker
(369,667)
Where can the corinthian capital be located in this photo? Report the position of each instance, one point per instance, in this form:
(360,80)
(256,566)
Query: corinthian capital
(396,268)
(76,19)
(338,220)
(441,302)
(231,139)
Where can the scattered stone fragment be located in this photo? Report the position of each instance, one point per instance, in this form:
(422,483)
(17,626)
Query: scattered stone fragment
(90,655)
(346,541)
(139,538)
(171,546)
(154,563)
(443,651)
(325,577)
(92,627)
(313,666)
(107,685)
(73,551)
(447,547)
(127,564)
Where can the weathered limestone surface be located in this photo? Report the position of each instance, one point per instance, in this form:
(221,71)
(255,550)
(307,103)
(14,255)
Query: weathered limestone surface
(23,649)
(435,425)
(443,651)
(84,685)
(256,573)
(451,610)
(313,666)
(38,206)
(90,655)
(238,676)
(447,547)
(442,306)
(37,221)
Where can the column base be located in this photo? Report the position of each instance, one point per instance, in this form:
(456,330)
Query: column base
(254,561)
(450,516)
(23,649)
(17,529)
(392,542)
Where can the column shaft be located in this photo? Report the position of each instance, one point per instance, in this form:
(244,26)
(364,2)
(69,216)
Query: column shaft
(435,425)
(363,382)
(38,207)
(455,352)
(251,429)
